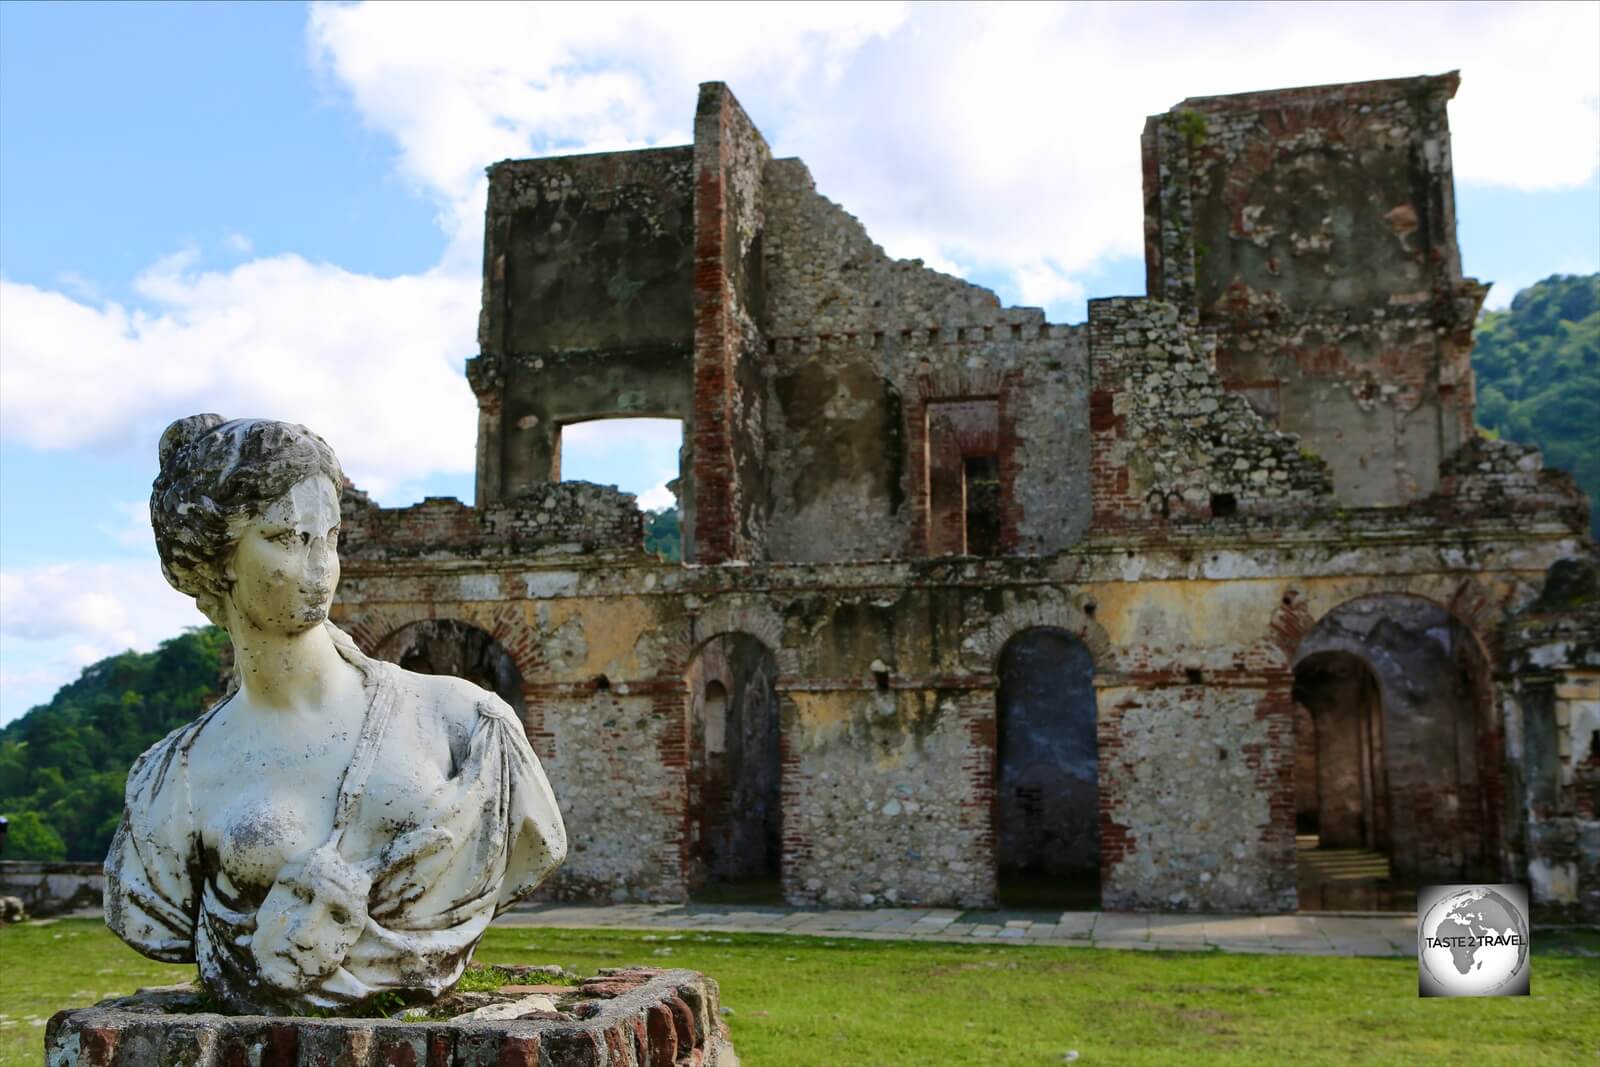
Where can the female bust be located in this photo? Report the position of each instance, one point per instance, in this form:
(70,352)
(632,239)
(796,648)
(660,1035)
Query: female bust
(336,827)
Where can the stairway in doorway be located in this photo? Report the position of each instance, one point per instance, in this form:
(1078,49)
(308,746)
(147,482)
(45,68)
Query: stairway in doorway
(1346,879)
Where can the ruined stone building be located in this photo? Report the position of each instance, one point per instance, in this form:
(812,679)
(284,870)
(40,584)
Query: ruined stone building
(980,607)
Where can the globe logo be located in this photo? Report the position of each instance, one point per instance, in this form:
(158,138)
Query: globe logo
(1472,941)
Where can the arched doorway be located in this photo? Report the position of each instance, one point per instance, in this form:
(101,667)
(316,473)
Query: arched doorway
(1394,691)
(735,825)
(449,646)
(1047,836)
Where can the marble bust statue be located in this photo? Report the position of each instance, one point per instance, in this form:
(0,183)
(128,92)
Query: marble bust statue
(336,827)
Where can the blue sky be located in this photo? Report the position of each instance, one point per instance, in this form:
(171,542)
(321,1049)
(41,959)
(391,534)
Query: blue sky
(276,210)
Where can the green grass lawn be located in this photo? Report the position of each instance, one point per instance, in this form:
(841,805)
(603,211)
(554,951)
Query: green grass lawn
(808,1001)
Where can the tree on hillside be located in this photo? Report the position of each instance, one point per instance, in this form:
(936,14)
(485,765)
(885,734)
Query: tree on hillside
(1537,366)
(662,534)
(63,765)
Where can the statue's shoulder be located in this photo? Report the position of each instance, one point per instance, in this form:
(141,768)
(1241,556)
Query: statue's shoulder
(153,767)
(453,700)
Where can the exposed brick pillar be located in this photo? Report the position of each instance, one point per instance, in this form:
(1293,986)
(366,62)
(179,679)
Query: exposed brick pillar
(730,158)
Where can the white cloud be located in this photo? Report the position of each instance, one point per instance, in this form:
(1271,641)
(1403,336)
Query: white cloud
(636,455)
(657,498)
(465,84)
(999,137)
(238,243)
(58,618)
(373,364)
(105,607)
(133,531)
(1042,284)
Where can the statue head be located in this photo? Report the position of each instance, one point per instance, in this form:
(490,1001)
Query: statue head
(313,915)
(318,908)
(219,479)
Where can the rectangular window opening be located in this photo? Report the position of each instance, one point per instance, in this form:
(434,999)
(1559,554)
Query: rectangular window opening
(982,477)
(642,456)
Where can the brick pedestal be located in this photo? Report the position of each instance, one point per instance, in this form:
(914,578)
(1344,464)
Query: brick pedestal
(631,1017)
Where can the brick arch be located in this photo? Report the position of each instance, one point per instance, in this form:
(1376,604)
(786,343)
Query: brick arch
(1463,598)
(374,630)
(753,618)
(980,651)
(1468,605)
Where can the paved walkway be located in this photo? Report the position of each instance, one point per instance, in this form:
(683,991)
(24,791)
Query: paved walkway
(1313,935)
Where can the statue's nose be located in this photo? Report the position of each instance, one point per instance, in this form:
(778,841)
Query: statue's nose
(319,561)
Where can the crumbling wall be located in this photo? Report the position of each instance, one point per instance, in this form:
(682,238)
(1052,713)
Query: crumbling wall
(588,268)
(863,346)
(888,750)
(546,520)
(1506,479)
(1551,710)
(730,512)
(1312,232)
(888,698)
(1169,442)
(846,413)
(880,805)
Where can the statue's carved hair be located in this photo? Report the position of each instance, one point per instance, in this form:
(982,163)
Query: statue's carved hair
(215,476)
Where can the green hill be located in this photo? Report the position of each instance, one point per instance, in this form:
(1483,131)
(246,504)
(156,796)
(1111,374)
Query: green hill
(1538,370)
(63,764)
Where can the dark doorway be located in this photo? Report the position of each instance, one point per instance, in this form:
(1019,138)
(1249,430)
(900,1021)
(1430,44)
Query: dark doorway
(1392,689)
(1047,825)
(448,646)
(735,815)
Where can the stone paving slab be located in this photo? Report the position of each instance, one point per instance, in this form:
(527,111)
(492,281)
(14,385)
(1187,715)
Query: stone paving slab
(1303,934)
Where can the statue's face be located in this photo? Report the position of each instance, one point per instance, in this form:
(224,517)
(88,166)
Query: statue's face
(286,564)
(312,917)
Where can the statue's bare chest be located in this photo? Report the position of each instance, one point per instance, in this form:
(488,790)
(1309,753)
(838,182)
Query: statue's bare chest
(261,797)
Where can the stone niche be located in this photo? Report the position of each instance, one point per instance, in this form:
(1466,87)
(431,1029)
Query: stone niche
(621,1017)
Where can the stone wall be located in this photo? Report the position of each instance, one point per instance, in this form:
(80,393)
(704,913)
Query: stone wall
(1311,232)
(554,519)
(729,517)
(887,476)
(1551,694)
(51,888)
(887,689)
(588,264)
(865,349)
(1169,441)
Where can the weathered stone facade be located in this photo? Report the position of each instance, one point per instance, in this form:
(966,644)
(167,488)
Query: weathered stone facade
(890,485)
